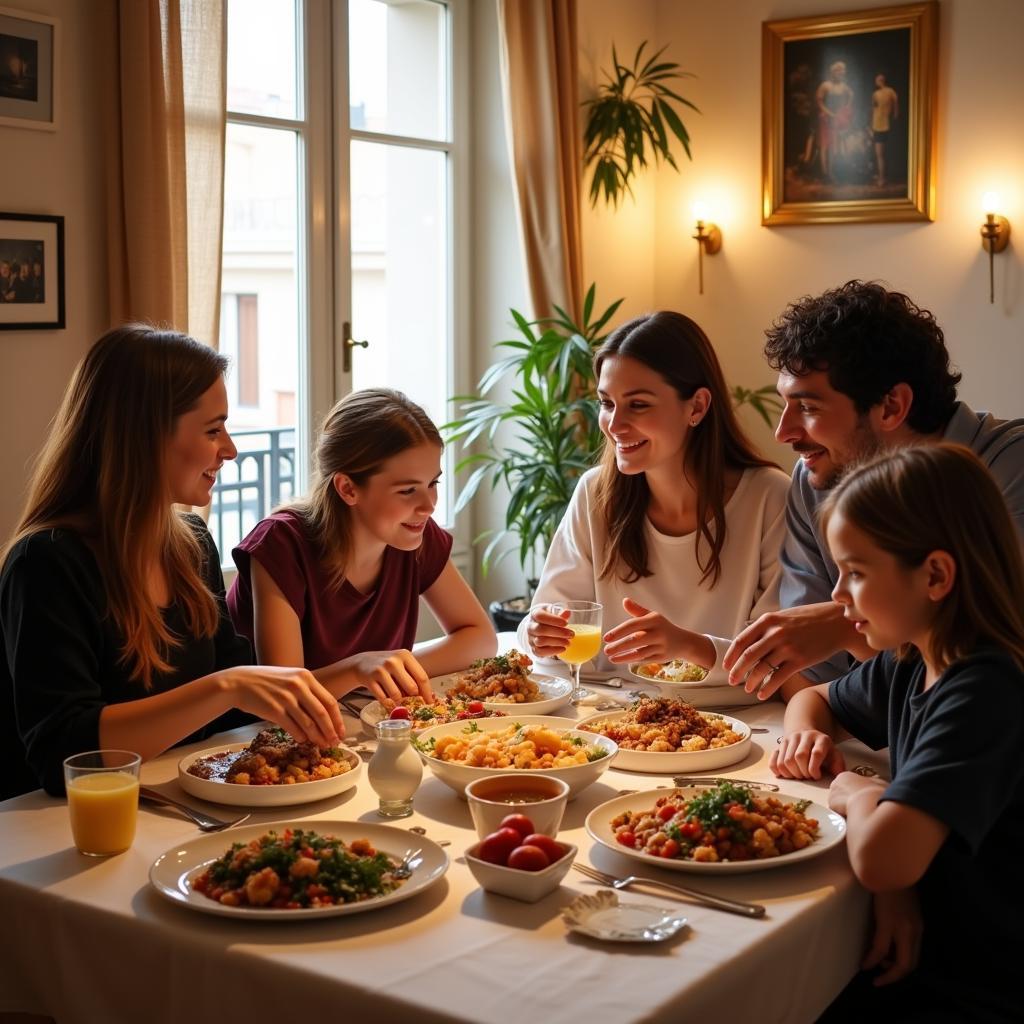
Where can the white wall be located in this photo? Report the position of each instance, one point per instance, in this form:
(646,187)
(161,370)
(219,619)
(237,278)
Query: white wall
(62,173)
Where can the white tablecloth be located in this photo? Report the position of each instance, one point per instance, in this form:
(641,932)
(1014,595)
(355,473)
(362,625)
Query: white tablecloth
(87,940)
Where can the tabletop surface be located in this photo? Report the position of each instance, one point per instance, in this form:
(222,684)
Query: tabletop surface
(452,953)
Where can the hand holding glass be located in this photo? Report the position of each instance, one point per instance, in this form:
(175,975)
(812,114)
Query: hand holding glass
(103,800)
(585,622)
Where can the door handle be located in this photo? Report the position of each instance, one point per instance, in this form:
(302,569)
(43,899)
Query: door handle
(347,344)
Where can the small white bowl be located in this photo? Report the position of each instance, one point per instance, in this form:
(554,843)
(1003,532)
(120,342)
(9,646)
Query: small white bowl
(489,801)
(458,776)
(528,886)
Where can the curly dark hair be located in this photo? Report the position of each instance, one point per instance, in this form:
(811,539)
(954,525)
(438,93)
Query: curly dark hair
(868,339)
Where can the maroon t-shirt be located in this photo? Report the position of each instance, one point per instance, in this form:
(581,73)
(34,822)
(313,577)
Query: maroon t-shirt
(337,622)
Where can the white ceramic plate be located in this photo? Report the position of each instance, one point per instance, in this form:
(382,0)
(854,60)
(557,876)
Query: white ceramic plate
(602,916)
(831,828)
(219,792)
(678,762)
(667,684)
(458,776)
(555,693)
(172,872)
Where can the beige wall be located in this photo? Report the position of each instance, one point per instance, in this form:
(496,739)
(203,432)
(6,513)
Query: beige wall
(940,264)
(59,172)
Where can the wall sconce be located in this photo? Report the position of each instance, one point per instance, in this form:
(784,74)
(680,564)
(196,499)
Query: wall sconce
(709,239)
(995,236)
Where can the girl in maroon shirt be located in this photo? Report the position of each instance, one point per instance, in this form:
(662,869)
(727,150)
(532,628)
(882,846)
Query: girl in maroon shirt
(333,581)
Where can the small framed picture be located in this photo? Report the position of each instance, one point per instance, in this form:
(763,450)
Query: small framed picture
(28,69)
(31,272)
(849,116)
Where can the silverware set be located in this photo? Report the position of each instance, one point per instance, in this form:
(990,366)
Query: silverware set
(203,821)
(682,892)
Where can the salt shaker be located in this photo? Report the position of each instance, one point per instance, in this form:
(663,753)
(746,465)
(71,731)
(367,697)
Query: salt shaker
(395,769)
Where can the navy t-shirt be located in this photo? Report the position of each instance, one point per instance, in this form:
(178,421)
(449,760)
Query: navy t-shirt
(956,754)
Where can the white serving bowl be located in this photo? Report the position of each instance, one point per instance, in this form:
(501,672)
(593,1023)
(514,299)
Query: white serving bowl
(678,762)
(458,776)
(528,886)
(219,792)
(489,804)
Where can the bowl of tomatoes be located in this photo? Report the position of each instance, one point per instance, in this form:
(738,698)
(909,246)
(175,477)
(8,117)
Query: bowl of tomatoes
(519,862)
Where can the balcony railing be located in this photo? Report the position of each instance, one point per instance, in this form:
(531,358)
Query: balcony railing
(260,479)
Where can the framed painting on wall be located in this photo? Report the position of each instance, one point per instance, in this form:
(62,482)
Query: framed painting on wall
(28,69)
(849,116)
(31,272)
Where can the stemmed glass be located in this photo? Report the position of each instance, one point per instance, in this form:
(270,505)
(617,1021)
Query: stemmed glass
(585,622)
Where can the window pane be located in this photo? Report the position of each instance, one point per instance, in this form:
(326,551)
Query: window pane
(259,328)
(261,57)
(400,275)
(398,67)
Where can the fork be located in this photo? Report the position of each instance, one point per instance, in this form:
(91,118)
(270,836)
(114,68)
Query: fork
(698,895)
(205,822)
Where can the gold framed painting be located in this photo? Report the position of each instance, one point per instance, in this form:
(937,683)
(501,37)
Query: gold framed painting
(848,114)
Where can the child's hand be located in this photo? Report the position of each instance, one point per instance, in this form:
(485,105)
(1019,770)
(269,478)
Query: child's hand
(803,755)
(845,785)
(896,943)
(647,636)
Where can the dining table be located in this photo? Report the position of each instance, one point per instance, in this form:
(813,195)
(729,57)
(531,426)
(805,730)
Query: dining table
(87,940)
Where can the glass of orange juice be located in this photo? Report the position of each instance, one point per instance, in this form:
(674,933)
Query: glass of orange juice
(585,622)
(103,800)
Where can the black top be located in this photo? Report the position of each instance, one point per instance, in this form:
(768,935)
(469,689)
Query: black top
(62,661)
(955,753)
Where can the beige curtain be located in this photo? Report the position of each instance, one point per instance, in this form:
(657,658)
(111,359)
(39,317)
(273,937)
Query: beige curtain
(542,118)
(166,199)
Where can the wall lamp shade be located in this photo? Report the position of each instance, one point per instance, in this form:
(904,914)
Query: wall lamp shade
(995,236)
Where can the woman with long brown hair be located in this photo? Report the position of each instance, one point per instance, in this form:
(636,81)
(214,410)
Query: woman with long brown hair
(677,532)
(115,629)
(334,580)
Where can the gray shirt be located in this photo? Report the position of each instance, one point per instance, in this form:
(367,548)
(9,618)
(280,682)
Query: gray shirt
(808,572)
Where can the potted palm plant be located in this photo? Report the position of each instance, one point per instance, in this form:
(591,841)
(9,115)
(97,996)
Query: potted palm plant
(554,435)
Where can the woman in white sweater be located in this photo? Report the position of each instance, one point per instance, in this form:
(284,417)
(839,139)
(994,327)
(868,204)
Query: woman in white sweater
(677,532)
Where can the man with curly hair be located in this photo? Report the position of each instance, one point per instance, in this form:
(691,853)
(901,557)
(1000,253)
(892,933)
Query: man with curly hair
(861,368)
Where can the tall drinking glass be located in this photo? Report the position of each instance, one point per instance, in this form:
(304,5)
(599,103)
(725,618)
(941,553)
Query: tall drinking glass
(585,622)
(103,800)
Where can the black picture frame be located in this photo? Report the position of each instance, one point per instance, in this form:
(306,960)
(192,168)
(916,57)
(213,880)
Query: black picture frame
(32,299)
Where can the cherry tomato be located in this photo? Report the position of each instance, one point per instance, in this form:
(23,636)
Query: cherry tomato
(552,850)
(667,812)
(669,849)
(496,847)
(520,822)
(400,712)
(692,829)
(626,838)
(528,858)
(475,707)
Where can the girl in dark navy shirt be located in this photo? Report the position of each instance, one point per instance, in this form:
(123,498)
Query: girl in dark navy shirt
(930,573)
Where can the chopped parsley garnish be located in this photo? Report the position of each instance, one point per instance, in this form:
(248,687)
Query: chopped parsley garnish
(710,808)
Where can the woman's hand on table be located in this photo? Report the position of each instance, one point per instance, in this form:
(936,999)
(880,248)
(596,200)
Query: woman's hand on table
(649,636)
(546,631)
(896,941)
(804,754)
(289,697)
(388,675)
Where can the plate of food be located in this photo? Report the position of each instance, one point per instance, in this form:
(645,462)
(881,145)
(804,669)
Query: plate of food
(423,714)
(272,770)
(460,752)
(492,686)
(674,673)
(296,870)
(725,829)
(664,734)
